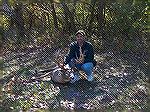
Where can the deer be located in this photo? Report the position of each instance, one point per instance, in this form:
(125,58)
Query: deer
(60,74)
(64,73)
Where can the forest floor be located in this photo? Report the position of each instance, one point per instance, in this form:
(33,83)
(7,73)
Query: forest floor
(121,84)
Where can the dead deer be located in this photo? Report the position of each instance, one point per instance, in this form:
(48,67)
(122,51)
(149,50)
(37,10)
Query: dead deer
(63,73)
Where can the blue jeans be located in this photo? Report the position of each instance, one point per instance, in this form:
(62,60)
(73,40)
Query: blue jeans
(86,67)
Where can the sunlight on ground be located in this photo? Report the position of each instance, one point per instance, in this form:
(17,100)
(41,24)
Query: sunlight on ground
(118,86)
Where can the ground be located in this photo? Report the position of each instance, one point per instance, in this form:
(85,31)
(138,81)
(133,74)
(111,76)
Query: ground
(121,84)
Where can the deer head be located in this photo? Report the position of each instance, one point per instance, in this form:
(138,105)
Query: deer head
(81,57)
(63,70)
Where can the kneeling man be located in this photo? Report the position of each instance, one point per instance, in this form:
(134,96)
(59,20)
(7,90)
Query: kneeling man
(81,56)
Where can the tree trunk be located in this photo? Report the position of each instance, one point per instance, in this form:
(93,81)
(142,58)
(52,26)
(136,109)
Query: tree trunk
(92,16)
(54,16)
(69,19)
(101,17)
(66,18)
(19,23)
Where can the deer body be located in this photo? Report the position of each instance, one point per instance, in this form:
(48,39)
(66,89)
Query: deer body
(61,75)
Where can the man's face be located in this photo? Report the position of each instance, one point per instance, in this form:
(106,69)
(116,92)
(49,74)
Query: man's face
(80,38)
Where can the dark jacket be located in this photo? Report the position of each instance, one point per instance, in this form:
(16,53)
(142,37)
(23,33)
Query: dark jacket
(87,50)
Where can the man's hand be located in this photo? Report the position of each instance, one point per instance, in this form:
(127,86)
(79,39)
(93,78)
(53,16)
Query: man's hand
(79,61)
(61,66)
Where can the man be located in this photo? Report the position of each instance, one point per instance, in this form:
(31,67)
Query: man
(81,56)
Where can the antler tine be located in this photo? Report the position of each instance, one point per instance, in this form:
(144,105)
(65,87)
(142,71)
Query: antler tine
(59,58)
(81,56)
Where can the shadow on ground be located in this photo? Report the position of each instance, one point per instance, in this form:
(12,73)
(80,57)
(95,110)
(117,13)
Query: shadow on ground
(120,85)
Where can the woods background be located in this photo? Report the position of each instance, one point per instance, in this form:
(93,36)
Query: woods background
(109,24)
(31,32)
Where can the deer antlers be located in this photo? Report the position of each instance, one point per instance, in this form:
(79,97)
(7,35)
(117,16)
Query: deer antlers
(59,59)
(81,57)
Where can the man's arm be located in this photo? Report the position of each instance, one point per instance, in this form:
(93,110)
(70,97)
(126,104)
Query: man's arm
(89,54)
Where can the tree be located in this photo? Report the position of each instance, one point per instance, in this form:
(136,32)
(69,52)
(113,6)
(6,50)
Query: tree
(69,19)
(54,15)
(101,17)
